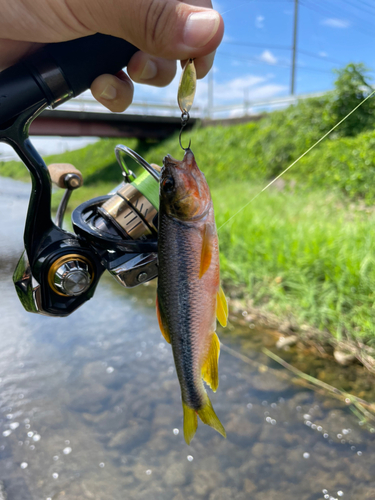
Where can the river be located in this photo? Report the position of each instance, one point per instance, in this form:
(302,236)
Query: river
(90,408)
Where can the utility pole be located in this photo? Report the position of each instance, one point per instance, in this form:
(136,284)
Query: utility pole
(293,76)
(246,101)
(210,105)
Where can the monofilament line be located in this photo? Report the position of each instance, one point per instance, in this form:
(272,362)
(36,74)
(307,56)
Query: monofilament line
(298,159)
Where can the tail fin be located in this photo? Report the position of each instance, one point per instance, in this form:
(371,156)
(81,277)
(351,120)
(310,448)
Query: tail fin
(206,414)
(209,417)
(190,423)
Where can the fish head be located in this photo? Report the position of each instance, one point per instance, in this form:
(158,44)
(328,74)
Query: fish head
(184,191)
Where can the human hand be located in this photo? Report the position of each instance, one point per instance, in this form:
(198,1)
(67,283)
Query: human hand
(163,30)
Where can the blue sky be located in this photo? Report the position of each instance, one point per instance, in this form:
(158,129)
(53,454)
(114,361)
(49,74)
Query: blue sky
(255,55)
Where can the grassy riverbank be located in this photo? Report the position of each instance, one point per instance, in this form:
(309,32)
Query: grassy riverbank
(303,250)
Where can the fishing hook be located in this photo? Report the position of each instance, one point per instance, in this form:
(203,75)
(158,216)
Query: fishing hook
(184,119)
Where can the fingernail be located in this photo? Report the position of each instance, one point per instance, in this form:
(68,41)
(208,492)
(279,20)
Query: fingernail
(200,28)
(149,71)
(109,93)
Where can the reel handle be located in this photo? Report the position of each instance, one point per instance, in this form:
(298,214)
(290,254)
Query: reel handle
(60,175)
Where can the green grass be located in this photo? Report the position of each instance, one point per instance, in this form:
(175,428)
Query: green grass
(301,254)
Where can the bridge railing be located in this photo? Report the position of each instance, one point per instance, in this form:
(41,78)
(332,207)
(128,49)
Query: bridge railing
(87,103)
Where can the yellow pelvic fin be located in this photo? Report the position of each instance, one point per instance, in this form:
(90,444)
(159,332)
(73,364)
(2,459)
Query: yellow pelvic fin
(210,369)
(162,324)
(190,423)
(209,417)
(206,255)
(221,307)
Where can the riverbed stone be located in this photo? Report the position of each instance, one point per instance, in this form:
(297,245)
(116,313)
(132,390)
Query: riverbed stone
(287,341)
(268,382)
(205,481)
(177,474)
(130,437)
(344,358)
(242,431)
(223,494)
(90,400)
(249,486)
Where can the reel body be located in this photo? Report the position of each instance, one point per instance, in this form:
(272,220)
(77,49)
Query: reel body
(115,232)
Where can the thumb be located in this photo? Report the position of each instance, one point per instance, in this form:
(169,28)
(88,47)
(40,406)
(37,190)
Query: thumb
(165,28)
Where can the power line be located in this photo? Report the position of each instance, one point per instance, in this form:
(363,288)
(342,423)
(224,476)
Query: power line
(355,16)
(262,63)
(284,47)
(321,58)
(260,45)
(366,3)
(364,10)
(324,11)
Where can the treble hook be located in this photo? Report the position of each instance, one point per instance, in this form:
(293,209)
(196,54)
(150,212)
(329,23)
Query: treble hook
(184,119)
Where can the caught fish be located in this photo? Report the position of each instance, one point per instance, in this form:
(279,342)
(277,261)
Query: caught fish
(189,296)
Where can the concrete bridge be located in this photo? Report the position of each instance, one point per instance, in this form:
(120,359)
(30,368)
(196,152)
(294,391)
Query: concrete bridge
(85,117)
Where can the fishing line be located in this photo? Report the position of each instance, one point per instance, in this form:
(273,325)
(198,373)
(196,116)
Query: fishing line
(298,159)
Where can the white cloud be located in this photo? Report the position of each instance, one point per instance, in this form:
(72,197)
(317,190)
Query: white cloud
(323,54)
(259,22)
(268,57)
(232,91)
(333,22)
(266,91)
(227,38)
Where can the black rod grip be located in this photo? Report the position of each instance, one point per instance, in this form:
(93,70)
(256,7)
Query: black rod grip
(84,59)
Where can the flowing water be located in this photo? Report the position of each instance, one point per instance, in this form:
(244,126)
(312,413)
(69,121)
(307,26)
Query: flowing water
(90,408)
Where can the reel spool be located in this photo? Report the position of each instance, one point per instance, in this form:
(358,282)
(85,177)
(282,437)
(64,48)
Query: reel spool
(123,225)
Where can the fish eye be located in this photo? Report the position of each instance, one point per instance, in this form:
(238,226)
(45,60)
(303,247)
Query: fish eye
(168,184)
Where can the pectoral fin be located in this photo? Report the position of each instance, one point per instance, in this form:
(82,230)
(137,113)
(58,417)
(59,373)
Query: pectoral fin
(210,369)
(162,322)
(221,307)
(209,235)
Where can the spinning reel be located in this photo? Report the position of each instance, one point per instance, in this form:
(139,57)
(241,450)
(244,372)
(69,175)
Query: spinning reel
(60,270)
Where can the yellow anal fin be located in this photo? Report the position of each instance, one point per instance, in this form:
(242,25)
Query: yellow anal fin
(190,423)
(209,417)
(162,324)
(210,369)
(209,234)
(221,307)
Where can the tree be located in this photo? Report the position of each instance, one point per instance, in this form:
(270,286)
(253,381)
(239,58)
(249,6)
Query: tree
(351,87)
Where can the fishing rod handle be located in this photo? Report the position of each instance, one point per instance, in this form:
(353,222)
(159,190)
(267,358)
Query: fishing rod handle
(84,59)
(59,71)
